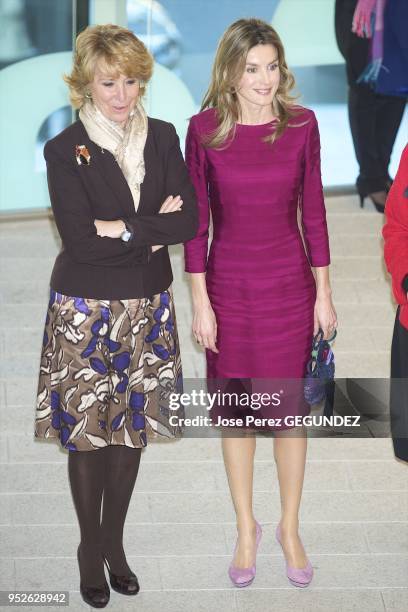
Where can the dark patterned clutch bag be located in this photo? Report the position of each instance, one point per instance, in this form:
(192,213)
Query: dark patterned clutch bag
(320,369)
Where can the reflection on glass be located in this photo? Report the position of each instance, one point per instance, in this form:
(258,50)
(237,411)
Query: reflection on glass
(31,29)
(183,35)
(15,43)
(53,125)
(153,25)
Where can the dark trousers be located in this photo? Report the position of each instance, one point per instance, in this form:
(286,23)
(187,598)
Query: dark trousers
(399,390)
(374,118)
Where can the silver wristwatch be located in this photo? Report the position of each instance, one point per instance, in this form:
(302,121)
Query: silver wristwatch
(126,235)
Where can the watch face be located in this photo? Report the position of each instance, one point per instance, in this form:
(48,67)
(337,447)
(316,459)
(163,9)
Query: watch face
(126,236)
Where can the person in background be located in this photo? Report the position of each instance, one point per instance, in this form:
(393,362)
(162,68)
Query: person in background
(374,117)
(120,193)
(395,233)
(254,159)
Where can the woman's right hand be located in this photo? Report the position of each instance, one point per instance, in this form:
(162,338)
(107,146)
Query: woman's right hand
(205,327)
(170,204)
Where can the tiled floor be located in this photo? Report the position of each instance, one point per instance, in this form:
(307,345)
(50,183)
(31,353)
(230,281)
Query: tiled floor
(180,530)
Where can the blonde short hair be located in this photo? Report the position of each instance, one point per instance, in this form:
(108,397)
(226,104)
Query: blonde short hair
(116,50)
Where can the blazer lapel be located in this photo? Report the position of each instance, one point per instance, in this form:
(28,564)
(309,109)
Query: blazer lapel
(148,185)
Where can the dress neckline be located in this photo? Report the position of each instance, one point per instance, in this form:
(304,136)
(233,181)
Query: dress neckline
(255,125)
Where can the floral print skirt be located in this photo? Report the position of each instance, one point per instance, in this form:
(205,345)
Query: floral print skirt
(107,370)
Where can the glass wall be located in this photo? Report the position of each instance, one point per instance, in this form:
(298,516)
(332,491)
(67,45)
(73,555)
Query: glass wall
(183,36)
(35,49)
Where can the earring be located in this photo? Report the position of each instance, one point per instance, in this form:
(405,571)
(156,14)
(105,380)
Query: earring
(88,95)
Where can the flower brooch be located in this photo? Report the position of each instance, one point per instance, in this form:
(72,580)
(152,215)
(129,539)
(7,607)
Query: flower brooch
(82,155)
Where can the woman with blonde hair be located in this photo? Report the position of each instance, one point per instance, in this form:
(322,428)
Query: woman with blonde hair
(254,159)
(120,193)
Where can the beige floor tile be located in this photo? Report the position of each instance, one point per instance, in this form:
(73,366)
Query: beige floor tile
(18,419)
(140,540)
(176,601)
(56,573)
(24,341)
(356,268)
(7,575)
(378,476)
(396,600)
(34,478)
(13,364)
(3,450)
(20,391)
(349,450)
(375,292)
(309,600)
(28,246)
(355,245)
(365,315)
(354,491)
(318,538)
(6,512)
(23,315)
(26,449)
(382,337)
(330,571)
(177,477)
(355,224)
(29,228)
(387,537)
(2,394)
(363,365)
(344,291)
(353,339)
(25,268)
(57,508)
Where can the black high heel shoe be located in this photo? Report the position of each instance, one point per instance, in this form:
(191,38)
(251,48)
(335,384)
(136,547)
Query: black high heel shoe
(126,585)
(95,596)
(378,206)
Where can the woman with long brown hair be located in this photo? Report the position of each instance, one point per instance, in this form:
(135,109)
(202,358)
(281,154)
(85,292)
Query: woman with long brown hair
(254,158)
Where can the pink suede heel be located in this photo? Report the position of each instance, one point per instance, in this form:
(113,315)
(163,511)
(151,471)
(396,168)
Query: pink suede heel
(244,576)
(299,577)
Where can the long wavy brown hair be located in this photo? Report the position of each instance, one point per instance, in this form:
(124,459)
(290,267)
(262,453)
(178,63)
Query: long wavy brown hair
(229,65)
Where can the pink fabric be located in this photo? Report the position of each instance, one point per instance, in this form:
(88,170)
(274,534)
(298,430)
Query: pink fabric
(379,14)
(362,18)
(258,275)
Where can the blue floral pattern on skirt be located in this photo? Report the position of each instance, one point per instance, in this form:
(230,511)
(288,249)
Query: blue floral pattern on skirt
(107,370)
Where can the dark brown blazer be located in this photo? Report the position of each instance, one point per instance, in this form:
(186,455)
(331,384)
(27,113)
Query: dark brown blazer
(107,268)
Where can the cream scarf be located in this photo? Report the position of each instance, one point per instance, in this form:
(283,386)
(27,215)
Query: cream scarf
(126,144)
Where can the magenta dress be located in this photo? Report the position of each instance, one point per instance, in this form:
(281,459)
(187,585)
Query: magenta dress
(258,270)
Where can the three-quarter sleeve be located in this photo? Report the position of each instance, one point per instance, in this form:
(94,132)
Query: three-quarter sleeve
(312,201)
(173,227)
(75,220)
(395,230)
(195,251)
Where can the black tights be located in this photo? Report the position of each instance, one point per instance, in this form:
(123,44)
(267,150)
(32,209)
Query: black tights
(107,474)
